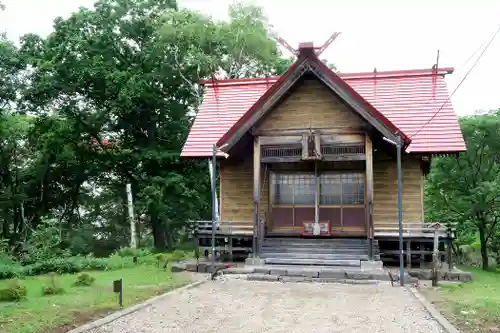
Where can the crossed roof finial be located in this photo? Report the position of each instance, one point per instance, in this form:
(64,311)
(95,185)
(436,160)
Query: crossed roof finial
(317,50)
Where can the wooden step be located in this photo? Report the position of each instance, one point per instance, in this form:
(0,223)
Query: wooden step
(267,249)
(314,243)
(318,240)
(315,256)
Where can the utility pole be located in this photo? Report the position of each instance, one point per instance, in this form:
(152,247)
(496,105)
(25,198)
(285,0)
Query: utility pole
(399,148)
(133,236)
(400,212)
(213,177)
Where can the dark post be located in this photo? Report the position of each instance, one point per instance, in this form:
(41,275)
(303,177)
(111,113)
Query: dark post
(450,254)
(214,196)
(118,288)
(400,213)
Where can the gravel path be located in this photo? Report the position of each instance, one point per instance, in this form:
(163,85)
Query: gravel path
(244,306)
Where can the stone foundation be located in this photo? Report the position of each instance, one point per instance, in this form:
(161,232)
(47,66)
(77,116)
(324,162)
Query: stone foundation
(250,261)
(371,271)
(372,265)
(444,275)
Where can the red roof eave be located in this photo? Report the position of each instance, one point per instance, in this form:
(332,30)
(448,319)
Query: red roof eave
(338,80)
(246,116)
(332,76)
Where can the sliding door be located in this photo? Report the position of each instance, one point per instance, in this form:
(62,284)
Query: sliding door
(292,200)
(342,202)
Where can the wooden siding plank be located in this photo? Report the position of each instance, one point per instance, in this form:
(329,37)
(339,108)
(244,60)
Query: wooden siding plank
(385,208)
(237,183)
(237,192)
(280,140)
(311,105)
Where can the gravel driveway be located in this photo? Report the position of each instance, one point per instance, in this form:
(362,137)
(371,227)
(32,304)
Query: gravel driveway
(241,306)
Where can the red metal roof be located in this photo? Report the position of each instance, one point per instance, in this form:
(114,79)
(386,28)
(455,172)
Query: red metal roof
(307,56)
(409,99)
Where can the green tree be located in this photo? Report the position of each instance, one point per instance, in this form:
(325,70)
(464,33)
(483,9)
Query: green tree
(466,189)
(106,99)
(110,73)
(238,48)
(128,70)
(11,79)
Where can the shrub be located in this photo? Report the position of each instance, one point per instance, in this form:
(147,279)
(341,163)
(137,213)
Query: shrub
(178,255)
(10,271)
(69,265)
(52,288)
(131,252)
(84,280)
(160,258)
(15,292)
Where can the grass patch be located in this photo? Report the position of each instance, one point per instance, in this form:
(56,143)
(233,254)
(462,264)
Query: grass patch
(473,306)
(60,312)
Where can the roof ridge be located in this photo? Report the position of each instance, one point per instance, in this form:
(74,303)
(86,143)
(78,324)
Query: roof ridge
(346,76)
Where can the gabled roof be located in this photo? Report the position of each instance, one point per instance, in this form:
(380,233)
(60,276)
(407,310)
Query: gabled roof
(308,62)
(408,99)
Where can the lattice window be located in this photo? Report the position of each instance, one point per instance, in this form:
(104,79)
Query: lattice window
(293,189)
(342,188)
(336,150)
(282,186)
(339,188)
(291,151)
(353,189)
(330,189)
(304,189)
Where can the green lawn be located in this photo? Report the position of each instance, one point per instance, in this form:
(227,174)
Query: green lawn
(81,304)
(473,306)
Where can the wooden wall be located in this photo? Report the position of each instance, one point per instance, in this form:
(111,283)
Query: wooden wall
(236,192)
(236,195)
(385,195)
(311,105)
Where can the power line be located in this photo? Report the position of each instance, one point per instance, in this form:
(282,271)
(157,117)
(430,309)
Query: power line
(457,70)
(460,68)
(472,56)
(461,82)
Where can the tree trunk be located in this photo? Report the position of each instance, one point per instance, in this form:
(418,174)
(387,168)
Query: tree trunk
(159,230)
(484,250)
(169,238)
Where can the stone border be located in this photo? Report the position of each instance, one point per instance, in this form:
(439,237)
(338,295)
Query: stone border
(447,326)
(134,308)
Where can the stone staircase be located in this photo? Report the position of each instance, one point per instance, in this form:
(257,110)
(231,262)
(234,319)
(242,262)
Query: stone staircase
(346,252)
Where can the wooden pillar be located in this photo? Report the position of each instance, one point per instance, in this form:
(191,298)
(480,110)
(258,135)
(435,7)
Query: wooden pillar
(256,197)
(316,229)
(369,193)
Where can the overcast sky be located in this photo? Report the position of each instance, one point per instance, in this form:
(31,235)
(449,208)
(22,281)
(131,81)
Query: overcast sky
(386,34)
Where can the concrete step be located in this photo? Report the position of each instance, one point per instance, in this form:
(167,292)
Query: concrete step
(315,256)
(289,261)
